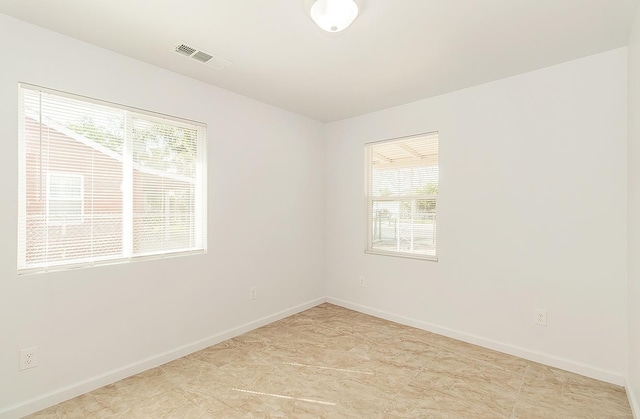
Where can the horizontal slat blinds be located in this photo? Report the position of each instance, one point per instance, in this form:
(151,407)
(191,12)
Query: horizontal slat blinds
(402,192)
(103,183)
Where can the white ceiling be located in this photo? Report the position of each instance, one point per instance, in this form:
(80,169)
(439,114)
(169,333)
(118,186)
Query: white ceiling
(397,51)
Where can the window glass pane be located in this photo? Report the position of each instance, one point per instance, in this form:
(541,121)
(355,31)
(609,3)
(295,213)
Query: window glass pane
(61,135)
(165,157)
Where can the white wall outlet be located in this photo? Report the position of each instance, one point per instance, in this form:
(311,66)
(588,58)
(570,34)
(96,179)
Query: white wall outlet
(28,358)
(540,317)
(361,281)
(252,293)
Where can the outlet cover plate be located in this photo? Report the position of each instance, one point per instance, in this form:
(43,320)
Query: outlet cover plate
(28,358)
(540,317)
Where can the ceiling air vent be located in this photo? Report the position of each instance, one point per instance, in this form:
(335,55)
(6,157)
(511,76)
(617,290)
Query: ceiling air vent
(202,56)
(214,61)
(185,50)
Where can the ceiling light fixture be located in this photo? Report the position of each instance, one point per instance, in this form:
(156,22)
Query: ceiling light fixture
(334,15)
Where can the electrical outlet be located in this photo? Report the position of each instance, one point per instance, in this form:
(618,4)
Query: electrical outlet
(361,281)
(252,293)
(540,317)
(28,358)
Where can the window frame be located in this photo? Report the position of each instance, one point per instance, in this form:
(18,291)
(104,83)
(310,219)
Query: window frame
(369,199)
(200,187)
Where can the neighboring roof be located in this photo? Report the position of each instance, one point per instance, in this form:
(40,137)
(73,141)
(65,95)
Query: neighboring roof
(102,149)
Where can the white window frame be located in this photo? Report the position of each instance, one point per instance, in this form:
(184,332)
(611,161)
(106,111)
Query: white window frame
(200,203)
(76,220)
(369,200)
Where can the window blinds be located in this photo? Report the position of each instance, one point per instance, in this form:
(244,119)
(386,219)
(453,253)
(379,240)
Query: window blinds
(401,193)
(104,183)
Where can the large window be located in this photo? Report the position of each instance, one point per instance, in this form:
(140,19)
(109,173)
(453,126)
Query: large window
(401,196)
(103,183)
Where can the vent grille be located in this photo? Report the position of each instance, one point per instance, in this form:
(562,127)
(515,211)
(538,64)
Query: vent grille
(197,54)
(202,56)
(185,50)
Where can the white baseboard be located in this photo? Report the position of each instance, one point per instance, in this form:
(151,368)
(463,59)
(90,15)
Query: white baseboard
(553,361)
(69,392)
(633,401)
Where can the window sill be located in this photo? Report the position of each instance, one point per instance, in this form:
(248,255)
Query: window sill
(105,261)
(402,255)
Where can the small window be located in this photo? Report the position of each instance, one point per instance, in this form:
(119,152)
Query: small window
(65,198)
(104,183)
(402,195)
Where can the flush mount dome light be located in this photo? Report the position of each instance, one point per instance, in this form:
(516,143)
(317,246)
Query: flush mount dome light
(334,15)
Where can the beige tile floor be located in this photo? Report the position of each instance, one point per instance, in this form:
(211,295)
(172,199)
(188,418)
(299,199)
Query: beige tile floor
(330,362)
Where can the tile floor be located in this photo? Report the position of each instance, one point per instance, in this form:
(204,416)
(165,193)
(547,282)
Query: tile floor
(330,362)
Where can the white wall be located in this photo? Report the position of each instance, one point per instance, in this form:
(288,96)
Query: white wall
(634,217)
(532,214)
(266,182)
